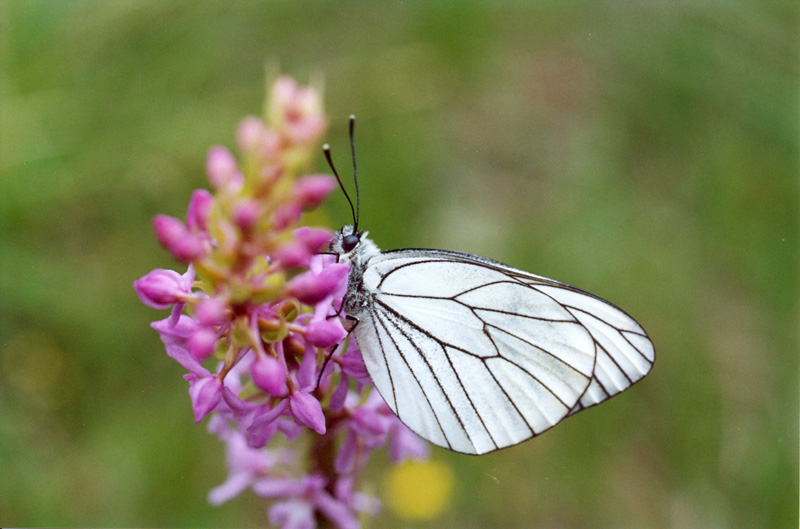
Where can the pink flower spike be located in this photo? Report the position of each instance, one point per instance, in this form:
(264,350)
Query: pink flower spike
(371,428)
(315,239)
(404,443)
(175,313)
(289,429)
(306,130)
(312,190)
(286,215)
(246,213)
(292,254)
(271,145)
(168,230)
(311,288)
(296,111)
(273,488)
(177,332)
(339,394)
(233,486)
(220,166)
(344,491)
(319,261)
(206,393)
(325,333)
(211,311)
(161,288)
(267,417)
(188,248)
(307,372)
(292,514)
(180,354)
(269,374)
(284,92)
(307,411)
(238,407)
(245,463)
(336,511)
(201,343)
(175,337)
(345,459)
(177,239)
(250,133)
(352,364)
(199,210)
(188,277)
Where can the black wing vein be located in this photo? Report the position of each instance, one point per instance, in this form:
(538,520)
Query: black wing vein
(443,345)
(430,369)
(541,350)
(528,372)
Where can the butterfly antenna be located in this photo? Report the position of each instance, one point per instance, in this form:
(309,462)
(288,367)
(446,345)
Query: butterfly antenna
(327,150)
(355,177)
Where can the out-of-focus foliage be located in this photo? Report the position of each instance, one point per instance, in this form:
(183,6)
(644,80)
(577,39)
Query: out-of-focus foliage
(646,152)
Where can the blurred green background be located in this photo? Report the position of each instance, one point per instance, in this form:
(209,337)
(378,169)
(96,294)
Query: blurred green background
(646,152)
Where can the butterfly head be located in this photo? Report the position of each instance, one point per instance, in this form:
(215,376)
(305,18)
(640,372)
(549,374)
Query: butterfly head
(353,246)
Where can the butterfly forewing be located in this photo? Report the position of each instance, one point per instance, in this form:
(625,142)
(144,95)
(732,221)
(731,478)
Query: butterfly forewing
(625,353)
(476,356)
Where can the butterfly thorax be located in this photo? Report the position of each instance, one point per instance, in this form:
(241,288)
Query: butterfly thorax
(357,299)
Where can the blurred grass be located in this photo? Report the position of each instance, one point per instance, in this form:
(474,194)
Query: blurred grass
(644,152)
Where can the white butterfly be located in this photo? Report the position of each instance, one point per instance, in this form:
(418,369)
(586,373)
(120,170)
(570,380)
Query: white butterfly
(474,355)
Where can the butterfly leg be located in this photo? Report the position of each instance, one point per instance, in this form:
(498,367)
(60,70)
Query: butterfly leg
(352,322)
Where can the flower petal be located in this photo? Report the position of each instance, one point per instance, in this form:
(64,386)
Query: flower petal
(269,374)
(307,411)
(206,393)
(312,190)
(220,166)
(161,288)
(199,210)
(325,333)
(293,514)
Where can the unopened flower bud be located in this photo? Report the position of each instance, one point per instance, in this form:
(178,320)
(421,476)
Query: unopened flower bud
(210,311)
(168,229)
(286,215)
(269,374)
(296,111)
(177,239)
(325,333)
(220,166)
(199,210)
(312,190)
(250,133)
(353,365)
(161,288)
(311,288)
(292,254)
(271,144)
(188,248)
(315,239)
(202,342)
(307,411)
(205,392)
(246,214)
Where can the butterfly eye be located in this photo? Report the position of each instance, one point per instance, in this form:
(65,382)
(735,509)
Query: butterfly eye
(349,242)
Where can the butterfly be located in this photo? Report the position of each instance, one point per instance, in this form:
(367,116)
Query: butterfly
(474,355)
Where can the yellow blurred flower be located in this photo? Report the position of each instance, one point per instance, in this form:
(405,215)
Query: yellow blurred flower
(419,490)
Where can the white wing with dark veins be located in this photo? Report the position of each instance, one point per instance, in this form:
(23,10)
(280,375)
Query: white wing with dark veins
(475,356)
